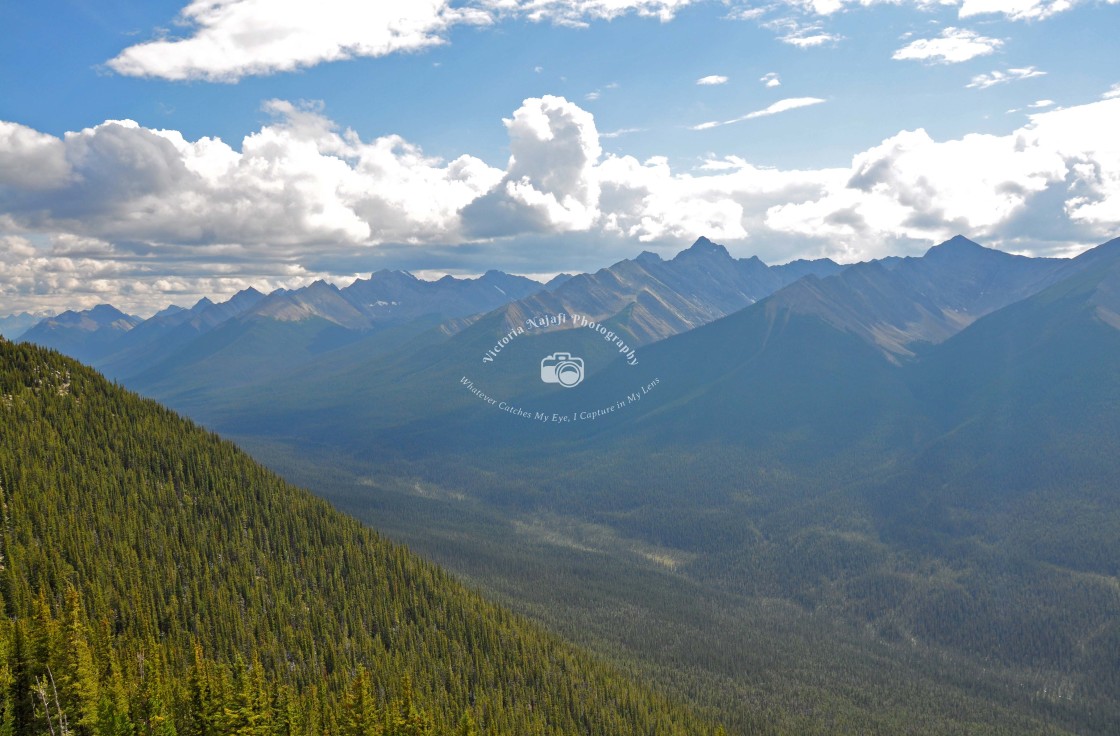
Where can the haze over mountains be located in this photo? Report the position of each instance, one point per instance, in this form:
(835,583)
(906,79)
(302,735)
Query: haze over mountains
(659,298)
(14,325)
(894,471)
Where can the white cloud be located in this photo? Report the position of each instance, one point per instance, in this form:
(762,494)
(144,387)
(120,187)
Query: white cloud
(712,79)
(1039,104)
(227,40)
(771,80)
(621,132)
(983,81)
(235,38)
(144,215)
(549,184)
(1011,9)
(30,159)
(953,46)
(231,39)
(1056,179)
(1015,9)
(579,12)
(790,103)
(649,201)
(808,39)
(1112,93)
(797,33)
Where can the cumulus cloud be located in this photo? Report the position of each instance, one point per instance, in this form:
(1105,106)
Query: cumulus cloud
(31,160)
(649,201)
(771,80)
(138,216)
(712,79)
(953,46)
(1056,178)
(983,81)
(549,183)
(294,182)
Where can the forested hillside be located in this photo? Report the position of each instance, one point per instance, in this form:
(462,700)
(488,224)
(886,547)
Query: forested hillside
(157,581)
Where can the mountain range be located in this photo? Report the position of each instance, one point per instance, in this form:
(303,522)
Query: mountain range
(14,325)
(651,297)
(84,335)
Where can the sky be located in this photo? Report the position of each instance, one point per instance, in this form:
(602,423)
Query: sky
(156,152)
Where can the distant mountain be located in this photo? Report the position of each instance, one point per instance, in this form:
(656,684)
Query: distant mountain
(866,312)
(652,299)
(398,297)
(287,329)
(1030,393)
(644,299)
(85,335)
(14,325)
(320,300)
(901,303)
(287,325)
(169,331)
(557,280)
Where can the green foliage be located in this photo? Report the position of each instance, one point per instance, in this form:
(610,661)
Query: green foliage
(156,581)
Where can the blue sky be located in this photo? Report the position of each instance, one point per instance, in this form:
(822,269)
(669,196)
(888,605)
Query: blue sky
(156,152)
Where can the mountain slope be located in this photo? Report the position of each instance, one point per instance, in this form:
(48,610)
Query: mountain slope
(898,304)
(159,579)
(14,325)
(171,330)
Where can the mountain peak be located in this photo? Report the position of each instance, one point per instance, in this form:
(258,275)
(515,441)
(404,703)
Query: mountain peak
(169,310)
(106,312)
(703,246)
(386,275)
(956,244)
